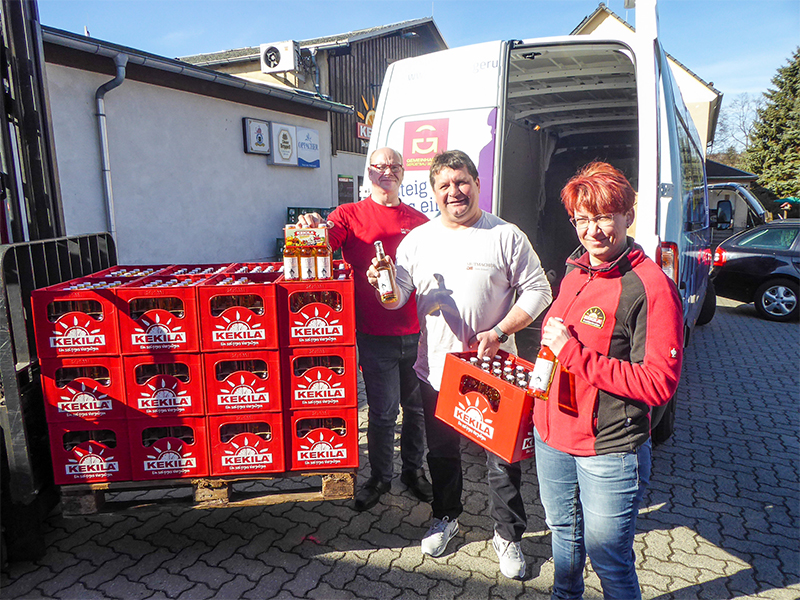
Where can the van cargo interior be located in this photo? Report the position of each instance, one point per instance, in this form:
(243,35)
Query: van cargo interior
(566,105)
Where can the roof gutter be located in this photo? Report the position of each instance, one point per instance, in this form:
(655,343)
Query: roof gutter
(152,61)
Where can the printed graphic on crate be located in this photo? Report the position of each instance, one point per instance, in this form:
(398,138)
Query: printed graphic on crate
(164,384)
(323,439)
(159,314)
(76,318)
(238,382)
(251,443)
(168,448)
(492,408)
(83,388)
(317,312)
(238,311)
(318,377)
(89,452)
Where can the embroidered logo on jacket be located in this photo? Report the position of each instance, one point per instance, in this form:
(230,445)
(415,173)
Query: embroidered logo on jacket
(594,317)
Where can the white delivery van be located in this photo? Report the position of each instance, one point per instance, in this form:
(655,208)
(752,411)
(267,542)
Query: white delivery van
(530,113)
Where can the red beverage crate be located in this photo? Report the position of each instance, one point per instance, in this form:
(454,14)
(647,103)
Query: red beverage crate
(164,385)
(168,448)
(77,389)
(320,377)
(253,268)
(242,382)
(90,451)
(317,313)
(505,429)
(322,439)
(195,270)
(76,318)
(238,312)
(159,319)
(129,272)
(247,443)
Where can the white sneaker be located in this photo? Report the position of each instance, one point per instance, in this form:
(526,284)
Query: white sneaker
(439,534)
(512,562)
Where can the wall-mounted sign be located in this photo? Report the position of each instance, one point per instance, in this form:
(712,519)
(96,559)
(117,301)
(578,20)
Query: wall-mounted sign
(284,145)
(256,136)
(363,131)
(307,147)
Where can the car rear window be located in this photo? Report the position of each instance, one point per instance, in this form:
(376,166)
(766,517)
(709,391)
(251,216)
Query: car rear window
(776,238)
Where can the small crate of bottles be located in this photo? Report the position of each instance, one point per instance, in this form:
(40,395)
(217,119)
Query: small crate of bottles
(246,443)
(242,382)
(321,439)
(159,314)
(488,402)
(164,385)
(90,451)
(320,377)
(168,448)
(238,311)
(193,270)
(77,318)
(129,272)
(76,389)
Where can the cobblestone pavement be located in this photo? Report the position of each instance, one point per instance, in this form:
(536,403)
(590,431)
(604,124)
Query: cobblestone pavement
(720,519)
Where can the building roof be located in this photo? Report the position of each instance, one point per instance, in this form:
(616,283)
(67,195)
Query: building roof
(332,41)
(177,68)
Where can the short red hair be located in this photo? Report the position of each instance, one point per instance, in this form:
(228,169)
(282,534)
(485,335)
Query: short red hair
(598,188)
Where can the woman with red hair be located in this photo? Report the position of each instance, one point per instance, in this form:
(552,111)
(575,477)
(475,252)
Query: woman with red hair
(616,329)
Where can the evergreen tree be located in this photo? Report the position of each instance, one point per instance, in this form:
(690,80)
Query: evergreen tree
(774,151)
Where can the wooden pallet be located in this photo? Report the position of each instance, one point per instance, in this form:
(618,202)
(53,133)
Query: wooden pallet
(208,492)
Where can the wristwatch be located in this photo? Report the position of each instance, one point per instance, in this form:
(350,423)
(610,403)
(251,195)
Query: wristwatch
(503,337)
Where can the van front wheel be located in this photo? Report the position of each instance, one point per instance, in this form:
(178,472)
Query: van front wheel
(709,306)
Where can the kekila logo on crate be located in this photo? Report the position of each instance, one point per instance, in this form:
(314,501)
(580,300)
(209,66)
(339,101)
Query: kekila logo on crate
(163,396)
(84,402)
(172,460)
(471,418)
(247,453)
(244,394)
(316,327)
(90,462)
(321,451)
(319,390)
(238,330)
(158,335)
(78,336)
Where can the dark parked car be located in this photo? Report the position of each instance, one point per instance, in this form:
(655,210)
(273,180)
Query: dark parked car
(762,265)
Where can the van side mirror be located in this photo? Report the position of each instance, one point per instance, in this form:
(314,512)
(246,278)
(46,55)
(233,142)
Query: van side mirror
(724,214)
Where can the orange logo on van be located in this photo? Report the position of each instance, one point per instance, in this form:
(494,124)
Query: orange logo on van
(424,140)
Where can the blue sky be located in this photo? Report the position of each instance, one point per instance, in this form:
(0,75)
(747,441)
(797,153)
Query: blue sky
(735,44)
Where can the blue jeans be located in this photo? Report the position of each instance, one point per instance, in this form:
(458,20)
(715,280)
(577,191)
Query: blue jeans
(590,504)
(444,463)
(387,364)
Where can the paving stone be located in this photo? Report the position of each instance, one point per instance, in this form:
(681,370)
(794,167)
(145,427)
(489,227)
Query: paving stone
(125,589)
(252,569)
(77,591)
(306,579)
(269,585)
(65,579)
(169,583)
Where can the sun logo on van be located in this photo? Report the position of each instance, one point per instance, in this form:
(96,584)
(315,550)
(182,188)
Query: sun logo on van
(368,117)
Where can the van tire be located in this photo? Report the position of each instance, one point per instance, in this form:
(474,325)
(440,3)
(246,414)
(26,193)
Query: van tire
(709,305)
(662,421)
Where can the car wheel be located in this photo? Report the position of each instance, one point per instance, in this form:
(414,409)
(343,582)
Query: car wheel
(709,306)
(776,300)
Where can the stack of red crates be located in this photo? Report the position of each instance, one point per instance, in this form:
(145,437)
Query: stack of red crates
(319,371)
(164,372)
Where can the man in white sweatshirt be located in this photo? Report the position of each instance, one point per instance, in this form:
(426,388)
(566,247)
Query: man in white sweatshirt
(477,282)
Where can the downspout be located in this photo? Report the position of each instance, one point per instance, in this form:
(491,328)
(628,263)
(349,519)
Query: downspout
(120,60)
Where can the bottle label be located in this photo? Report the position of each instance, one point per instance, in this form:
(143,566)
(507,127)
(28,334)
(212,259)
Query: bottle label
(307,268)
(542,372)
(323,267)
(385,285)
(290,267)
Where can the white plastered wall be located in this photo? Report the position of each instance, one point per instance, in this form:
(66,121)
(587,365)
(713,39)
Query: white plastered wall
(184,189)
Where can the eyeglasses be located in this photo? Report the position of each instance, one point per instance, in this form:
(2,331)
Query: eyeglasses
(381,168)
(600,220)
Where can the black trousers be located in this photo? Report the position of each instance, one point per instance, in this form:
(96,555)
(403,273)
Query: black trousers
(444,464)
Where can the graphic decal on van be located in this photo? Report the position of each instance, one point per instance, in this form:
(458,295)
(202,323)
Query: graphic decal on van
(422,141)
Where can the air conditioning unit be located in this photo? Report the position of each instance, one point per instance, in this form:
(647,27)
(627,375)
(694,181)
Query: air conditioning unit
(280,57)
